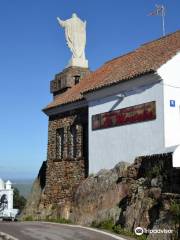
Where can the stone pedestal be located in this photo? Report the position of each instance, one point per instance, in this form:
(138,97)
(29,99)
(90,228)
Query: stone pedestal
(78,62)
(67,78)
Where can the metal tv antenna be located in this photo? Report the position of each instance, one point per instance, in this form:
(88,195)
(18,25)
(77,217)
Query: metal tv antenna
(160,11)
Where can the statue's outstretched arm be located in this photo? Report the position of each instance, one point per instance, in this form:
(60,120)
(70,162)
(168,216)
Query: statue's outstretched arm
(61,23)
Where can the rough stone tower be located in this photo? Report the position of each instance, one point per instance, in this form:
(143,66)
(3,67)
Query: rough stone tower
(67,154)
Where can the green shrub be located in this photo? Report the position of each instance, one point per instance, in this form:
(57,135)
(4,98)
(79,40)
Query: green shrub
(18,200)
(63,220)
(106,224)
(154,171)
(119,230)
(109,225)
(54,206)
(28,218)
(175,211)
(58,220)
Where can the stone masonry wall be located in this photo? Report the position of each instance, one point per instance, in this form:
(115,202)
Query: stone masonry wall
(66,79)
(64,174)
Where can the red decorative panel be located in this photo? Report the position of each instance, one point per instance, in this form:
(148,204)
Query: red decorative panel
(134,114)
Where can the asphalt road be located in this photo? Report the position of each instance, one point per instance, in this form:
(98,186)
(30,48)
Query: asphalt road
(48,231)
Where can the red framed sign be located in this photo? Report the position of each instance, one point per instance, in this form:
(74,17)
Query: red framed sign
(134,114)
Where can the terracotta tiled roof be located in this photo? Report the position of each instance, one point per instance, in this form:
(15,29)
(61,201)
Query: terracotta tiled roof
(147,58)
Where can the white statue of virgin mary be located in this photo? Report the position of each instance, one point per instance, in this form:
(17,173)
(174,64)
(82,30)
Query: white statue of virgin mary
(75,33)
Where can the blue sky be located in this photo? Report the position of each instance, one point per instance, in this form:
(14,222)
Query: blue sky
(33,50)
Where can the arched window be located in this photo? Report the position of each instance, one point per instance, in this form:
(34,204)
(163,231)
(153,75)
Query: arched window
(3,202)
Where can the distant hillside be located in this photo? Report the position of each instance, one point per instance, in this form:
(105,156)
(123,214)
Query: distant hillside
(24,186)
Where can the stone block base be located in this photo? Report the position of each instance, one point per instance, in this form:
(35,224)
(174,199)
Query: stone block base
(78,62)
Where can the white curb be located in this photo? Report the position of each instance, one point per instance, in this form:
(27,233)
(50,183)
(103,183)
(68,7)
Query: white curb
(6,236)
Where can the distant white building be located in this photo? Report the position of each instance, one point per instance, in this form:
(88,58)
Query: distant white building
(6,195)
(6,200)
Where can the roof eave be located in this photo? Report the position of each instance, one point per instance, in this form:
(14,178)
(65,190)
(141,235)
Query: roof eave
(49,111)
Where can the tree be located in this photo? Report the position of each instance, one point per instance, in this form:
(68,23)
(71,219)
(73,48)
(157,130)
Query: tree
(19,201)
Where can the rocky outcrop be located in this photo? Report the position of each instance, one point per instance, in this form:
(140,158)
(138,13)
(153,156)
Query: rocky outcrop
(98,196)
(139,195)
(144,194)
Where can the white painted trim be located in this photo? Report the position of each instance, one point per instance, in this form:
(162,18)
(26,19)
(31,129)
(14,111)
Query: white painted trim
(7,236)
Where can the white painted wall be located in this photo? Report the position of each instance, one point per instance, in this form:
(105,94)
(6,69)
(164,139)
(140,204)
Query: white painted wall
(170,73)
(109,146)
(8,191)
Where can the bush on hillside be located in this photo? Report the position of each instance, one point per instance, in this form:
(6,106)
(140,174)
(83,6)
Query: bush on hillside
(19,201)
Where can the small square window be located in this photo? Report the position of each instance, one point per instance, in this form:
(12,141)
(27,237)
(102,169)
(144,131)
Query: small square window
(76,79)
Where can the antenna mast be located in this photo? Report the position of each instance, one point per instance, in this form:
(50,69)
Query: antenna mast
(160,11)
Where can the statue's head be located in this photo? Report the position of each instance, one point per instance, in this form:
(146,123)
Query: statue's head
(74,15)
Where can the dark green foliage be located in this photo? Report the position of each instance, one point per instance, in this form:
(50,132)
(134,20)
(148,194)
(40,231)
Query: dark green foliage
(58,220)
(29,218)
(109,225)
(154,171)
(119,230)
(48,219)
(175,211)
(19,201)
